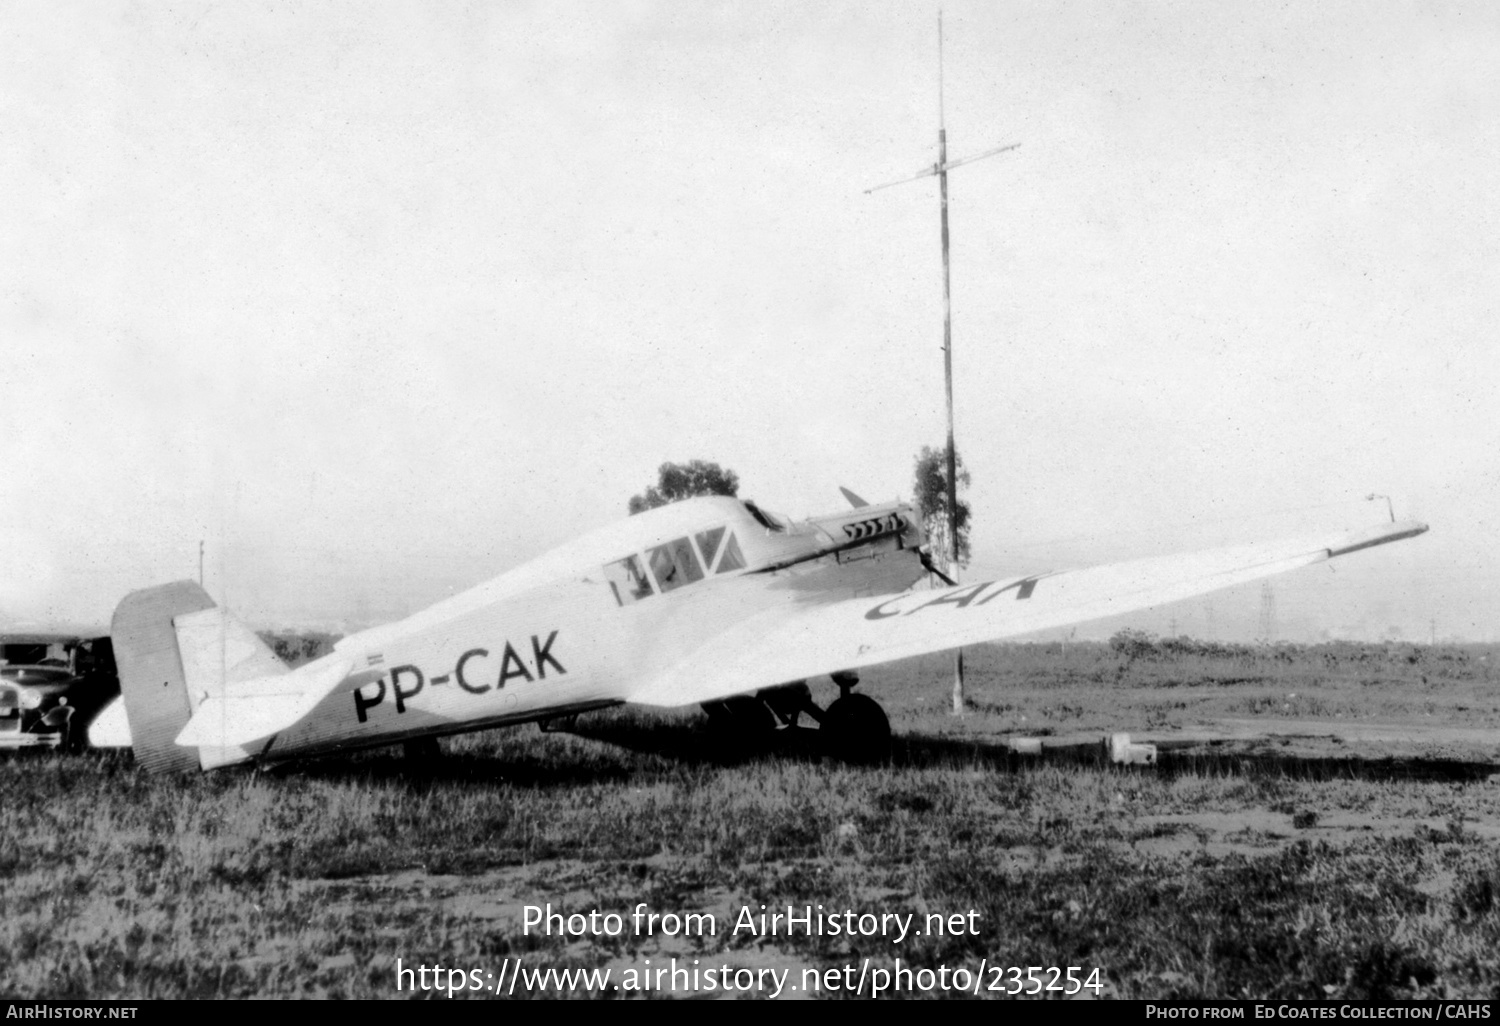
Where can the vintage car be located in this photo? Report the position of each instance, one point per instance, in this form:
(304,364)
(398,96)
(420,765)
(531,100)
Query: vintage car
(51,687)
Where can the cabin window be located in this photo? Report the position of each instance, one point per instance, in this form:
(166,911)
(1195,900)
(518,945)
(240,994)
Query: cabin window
(708,544)
(732,559)
(674,564)
(628,580)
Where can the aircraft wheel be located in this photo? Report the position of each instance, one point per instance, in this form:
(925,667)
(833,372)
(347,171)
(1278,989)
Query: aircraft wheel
(857,729)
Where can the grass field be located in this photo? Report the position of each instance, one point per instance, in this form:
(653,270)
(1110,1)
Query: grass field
(1285,867)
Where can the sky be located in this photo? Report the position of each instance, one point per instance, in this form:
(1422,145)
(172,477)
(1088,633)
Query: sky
(377,300)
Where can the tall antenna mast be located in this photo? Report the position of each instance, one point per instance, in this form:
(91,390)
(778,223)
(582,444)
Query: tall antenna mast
(940,169)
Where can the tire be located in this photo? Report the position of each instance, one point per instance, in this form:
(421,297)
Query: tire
(857,730)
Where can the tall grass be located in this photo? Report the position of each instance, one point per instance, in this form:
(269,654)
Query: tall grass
(1189,882)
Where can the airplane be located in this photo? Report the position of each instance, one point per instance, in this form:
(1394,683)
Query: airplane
(710,601)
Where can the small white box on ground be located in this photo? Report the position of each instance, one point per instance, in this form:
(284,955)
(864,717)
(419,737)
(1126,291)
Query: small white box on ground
(1124,753)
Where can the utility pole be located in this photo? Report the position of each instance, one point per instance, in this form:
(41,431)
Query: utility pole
(940,169)
(1267,613)
(200,562)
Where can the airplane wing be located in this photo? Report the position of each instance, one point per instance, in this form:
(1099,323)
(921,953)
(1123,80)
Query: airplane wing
(795,642)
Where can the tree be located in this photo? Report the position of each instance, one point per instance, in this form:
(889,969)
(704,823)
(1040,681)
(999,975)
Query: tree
(932,503)
(678,481)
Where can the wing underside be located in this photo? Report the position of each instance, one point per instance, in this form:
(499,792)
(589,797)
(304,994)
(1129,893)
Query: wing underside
(797,641)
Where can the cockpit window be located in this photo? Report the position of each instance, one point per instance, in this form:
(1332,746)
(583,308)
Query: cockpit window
(764,519)
(708,544)
(628,580)
(732,559)
(674,564)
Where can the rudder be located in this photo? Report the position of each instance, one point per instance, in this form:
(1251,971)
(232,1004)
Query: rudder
(152,680)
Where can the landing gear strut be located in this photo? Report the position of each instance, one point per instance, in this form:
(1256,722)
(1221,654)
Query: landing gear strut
(854,728)
(743,715)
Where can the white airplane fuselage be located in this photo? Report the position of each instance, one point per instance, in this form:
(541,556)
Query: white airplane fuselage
(577,627)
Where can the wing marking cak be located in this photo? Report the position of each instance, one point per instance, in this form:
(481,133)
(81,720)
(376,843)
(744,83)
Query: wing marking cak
(960,599)
(1024,588)
(407,681)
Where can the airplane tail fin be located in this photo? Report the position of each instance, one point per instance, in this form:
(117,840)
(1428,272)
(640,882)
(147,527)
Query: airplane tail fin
(152,681)
(174,650)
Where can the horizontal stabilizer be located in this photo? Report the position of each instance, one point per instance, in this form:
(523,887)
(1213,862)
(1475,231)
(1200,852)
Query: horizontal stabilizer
(248,711)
